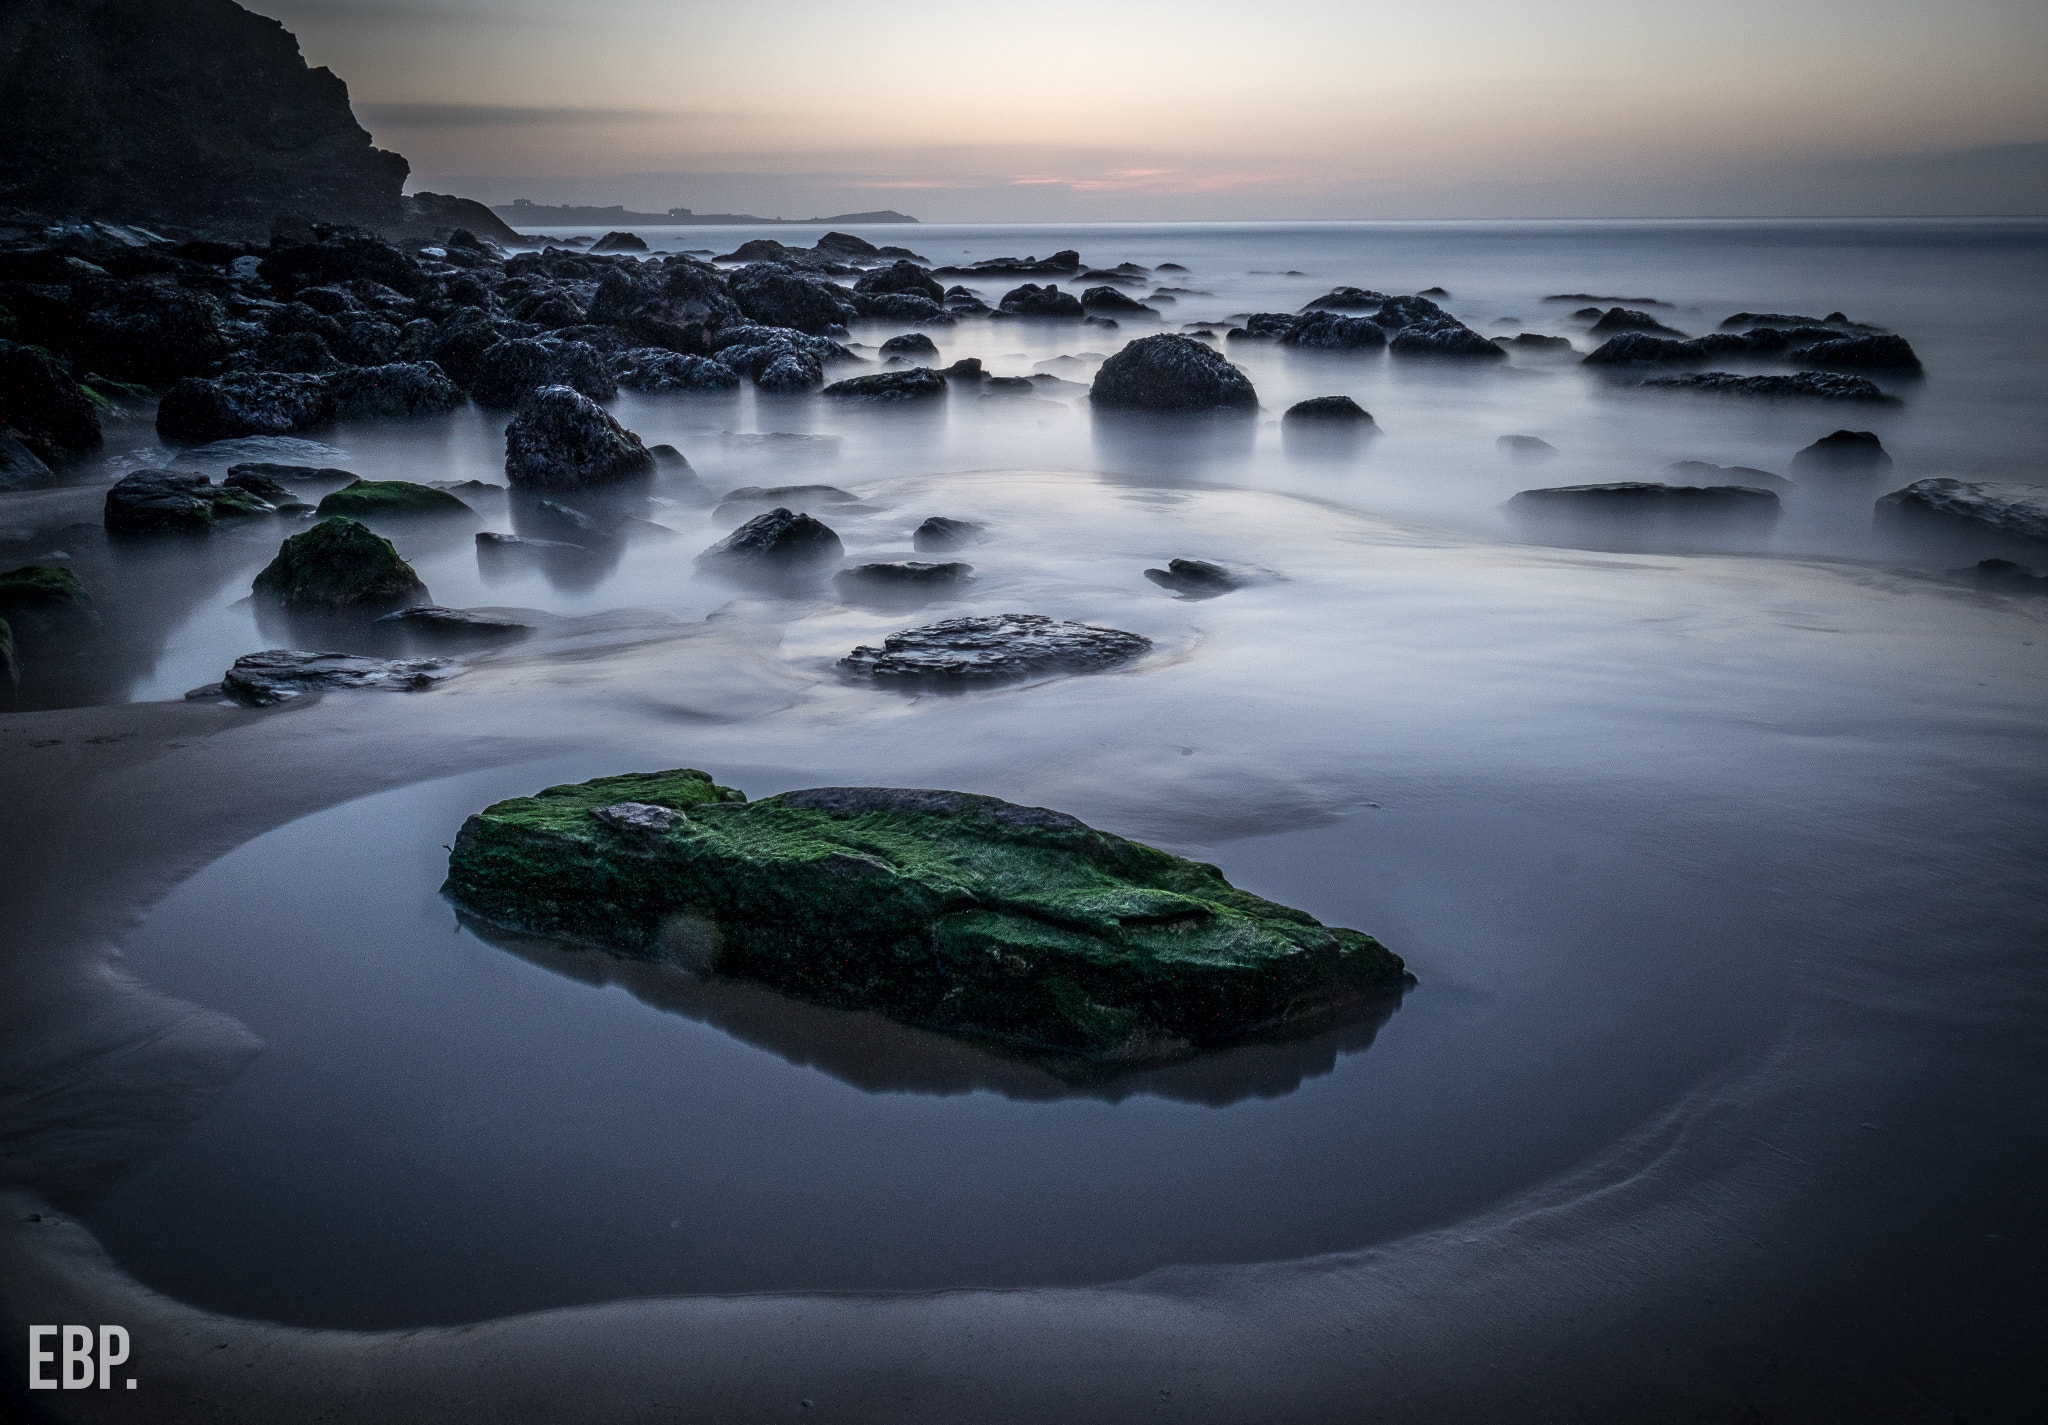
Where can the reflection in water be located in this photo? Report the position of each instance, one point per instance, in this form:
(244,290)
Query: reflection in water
(878,1055)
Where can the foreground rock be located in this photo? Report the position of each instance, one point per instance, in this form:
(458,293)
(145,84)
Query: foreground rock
(563,440)
(434,621)
(1008,925)
(1196,578)
(1985,506)
(994,648)
(778,541)
(390,499)
(397,390)
(1171,374)
(278,675)
(337,565)
(902,574)
(165,502)
(1846,450)
(1802,385)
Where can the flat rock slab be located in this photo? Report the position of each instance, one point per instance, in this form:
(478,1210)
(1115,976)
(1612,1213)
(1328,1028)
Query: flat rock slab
(433,619)
(1992,505)
(278,675)
(1014,926)
(993,648)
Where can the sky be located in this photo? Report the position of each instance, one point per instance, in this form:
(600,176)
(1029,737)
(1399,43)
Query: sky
(1153,110)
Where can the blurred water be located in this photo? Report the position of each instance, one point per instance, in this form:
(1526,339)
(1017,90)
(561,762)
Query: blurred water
(1607,804)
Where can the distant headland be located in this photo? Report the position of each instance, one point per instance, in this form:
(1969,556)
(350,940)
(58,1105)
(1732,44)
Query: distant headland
(564,215)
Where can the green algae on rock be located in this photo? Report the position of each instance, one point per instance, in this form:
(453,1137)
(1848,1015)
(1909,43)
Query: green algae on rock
(1016,926)
(392,499)
(339,564)
(40,596)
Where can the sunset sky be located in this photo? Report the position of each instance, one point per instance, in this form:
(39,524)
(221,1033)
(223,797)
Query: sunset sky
(1141,110)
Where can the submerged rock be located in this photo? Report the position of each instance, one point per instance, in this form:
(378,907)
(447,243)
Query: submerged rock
(1196,578)
(1345,299)
(455,623)
(1008,925)
(993,648)
(166,502)
(903,573)
(1701,472)
(563,440)
(1634,497)
(913,345)
(199,410)
(1331,410)
(1108,299)
(1845,450)
(918,384)
(939,535)
(1986,506)
(1810,385)
(339,564)
(2004,576)
(20,467)
(278,675)
(391,499)
(778,540)
(1525,447)
(1621,319)
(43,597)
(1170,373)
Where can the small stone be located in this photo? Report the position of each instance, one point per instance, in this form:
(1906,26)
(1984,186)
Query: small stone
(779,540)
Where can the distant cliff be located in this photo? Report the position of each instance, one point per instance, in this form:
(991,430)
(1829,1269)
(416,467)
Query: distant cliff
(190,112)
(543,215)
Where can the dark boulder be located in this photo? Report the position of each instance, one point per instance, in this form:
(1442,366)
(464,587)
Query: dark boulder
(939,535)
(251,481)
(775,295)
(789,372)
(152,334)
(964,303)
(433,621)
(900,276)
(1981,507)
(967,368)
(1346,299)
(563,440)
(1533,341)
(43,407)
(1172,374)
(1806,385)
(1032,300)
(1328,331)
(339,564)
(1640,497)
(300,352)
(619,242)
(1858,353)
(2003,576)
(390,499)
(1448,338)
(995,648)
(1196,578)
(1788,320)
(1265,326)
(1845,450)
(1108,299)
(1616,320)
(278,675)
(918,384)
(401,389)
(911,345)
(510,371)
(901,307)
(652,369)
(200,410)
(847,245)
(1330,410)
(775,541)
(1702,472)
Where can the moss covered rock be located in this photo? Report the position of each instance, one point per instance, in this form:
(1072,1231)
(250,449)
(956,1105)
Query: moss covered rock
(1012,925)
(42,596)
(339,564)
(392,499)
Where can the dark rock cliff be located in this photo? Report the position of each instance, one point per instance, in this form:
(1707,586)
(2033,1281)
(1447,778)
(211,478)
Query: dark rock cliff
(192,112)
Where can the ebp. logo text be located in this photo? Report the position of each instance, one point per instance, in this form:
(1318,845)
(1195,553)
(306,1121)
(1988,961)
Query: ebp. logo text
(70,1350)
